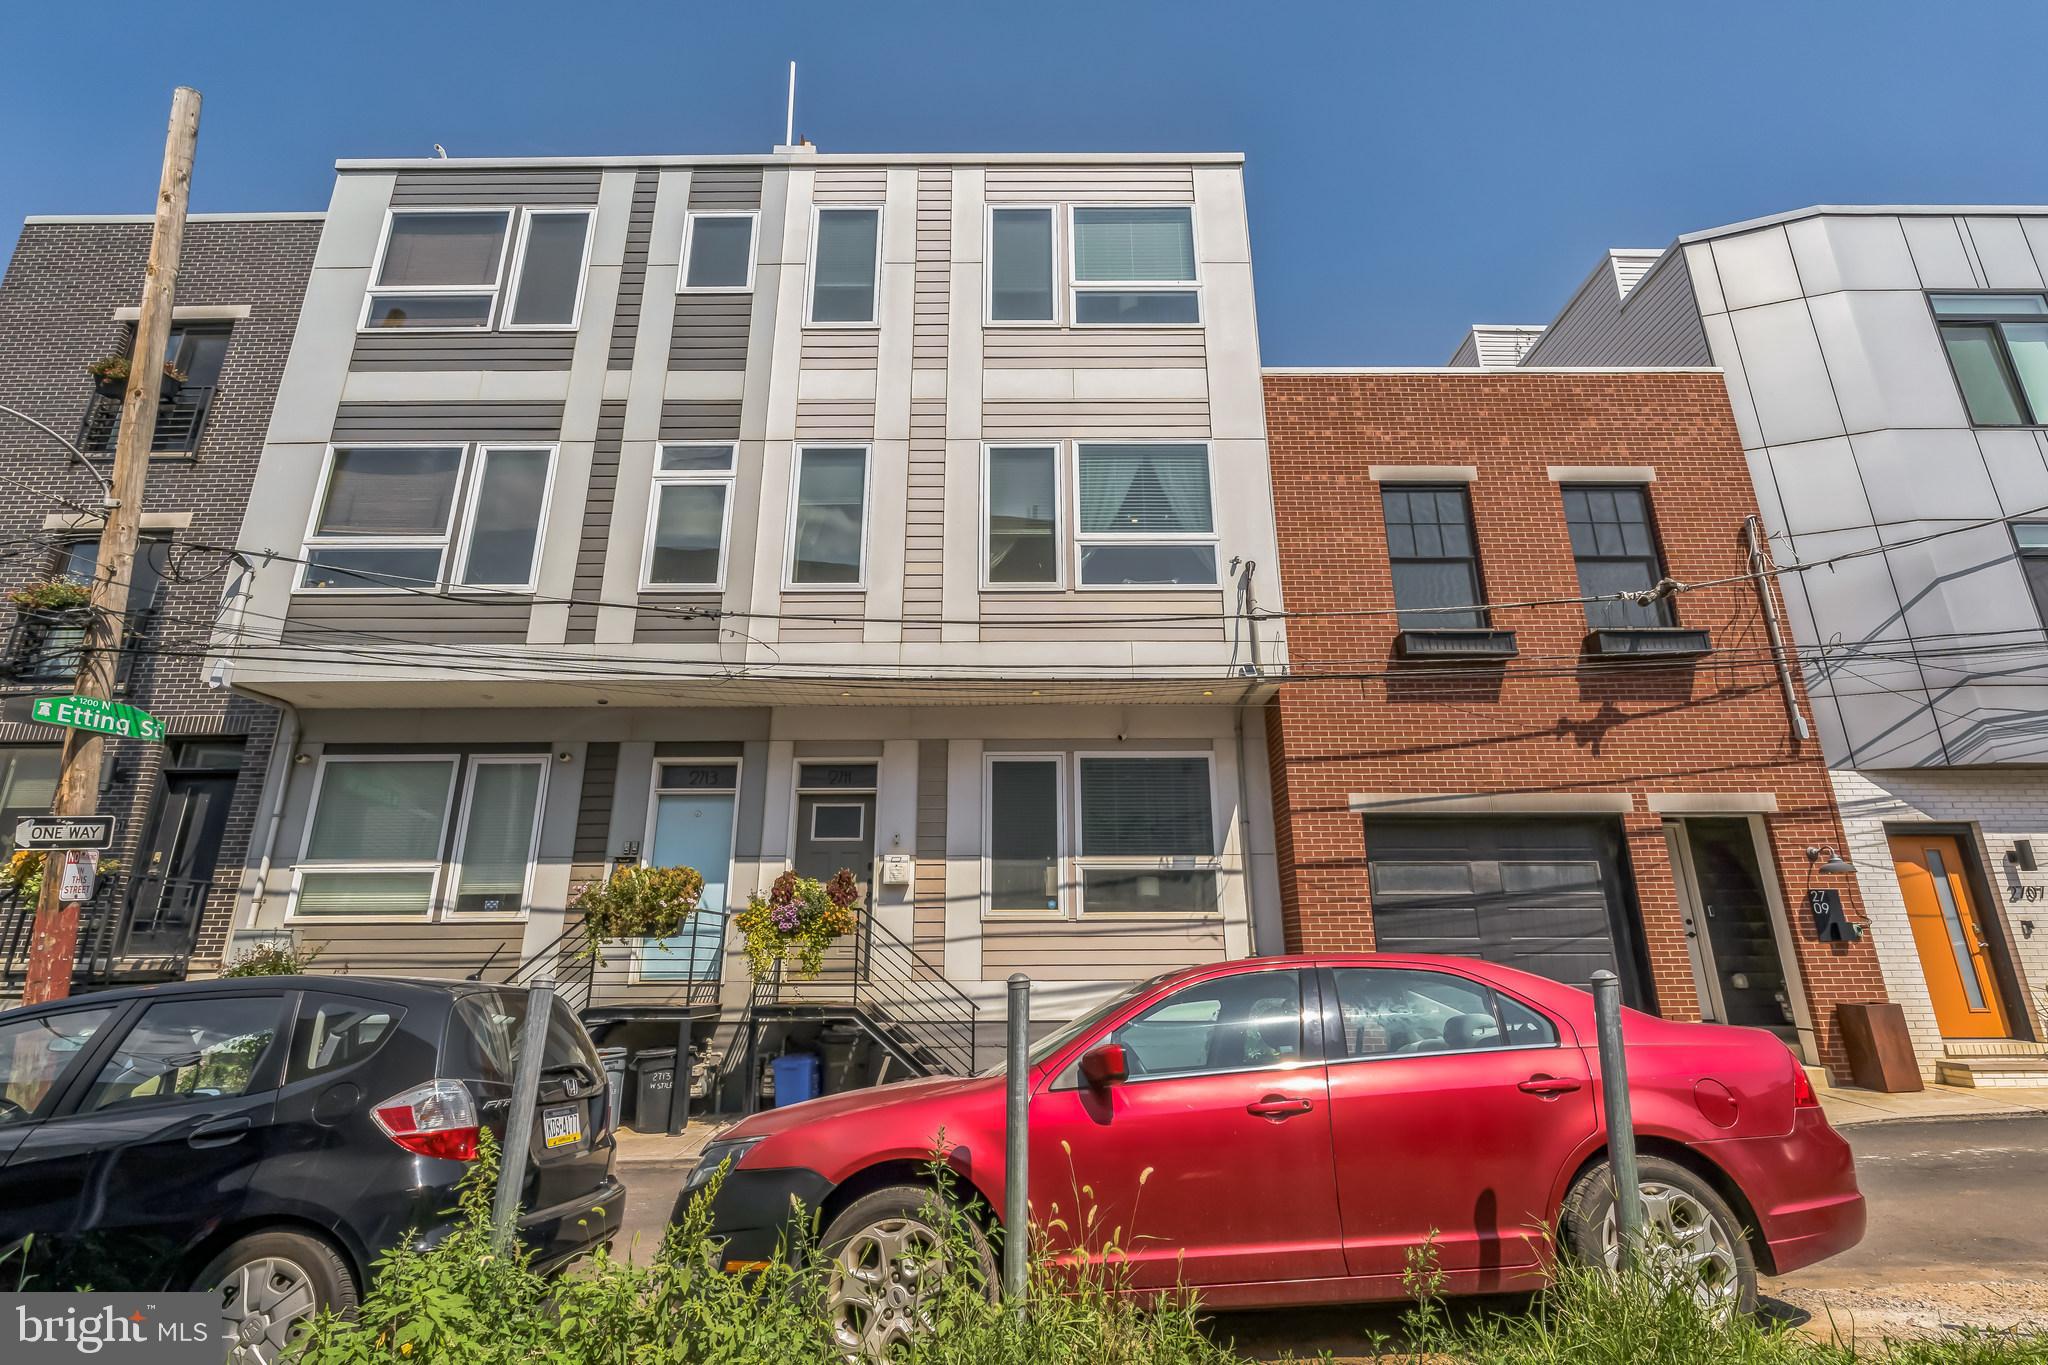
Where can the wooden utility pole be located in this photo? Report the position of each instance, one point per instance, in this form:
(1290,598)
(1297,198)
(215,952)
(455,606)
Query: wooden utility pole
(54,948)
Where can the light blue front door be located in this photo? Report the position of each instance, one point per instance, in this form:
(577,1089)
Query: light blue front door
(692,830)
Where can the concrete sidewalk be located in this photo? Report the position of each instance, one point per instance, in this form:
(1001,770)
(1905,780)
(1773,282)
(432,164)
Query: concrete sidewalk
(659,1149)
(1846,1105)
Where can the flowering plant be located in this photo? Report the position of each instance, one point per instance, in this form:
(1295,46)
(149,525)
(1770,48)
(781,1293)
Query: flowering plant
(799,916)
(638,902)
(24,872)
(52,594)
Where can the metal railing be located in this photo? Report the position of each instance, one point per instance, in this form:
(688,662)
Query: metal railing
(99,960)
(167,908)
(611,976)
(47,647)
(180,421)
(904,993)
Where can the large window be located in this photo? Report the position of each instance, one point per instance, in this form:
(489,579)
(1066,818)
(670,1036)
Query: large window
(1145,516)
(1435,563)
(1616,551)
(444,269)
(1148,836)
(828,527)
(1022,545)
(1025,837)
(1020,265)
(373,846)
(1135,267)
(1998,346)
(2030,539)
(846,254)
(688,517)
(500,825)
(718,253)
(385,518)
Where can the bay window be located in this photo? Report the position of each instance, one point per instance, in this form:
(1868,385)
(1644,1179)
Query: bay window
(688,517)
(385,518)
(1020,265)
(1146,518)
(828,525)
(1021,543)
(1135,266)
(444,269)
(845,258)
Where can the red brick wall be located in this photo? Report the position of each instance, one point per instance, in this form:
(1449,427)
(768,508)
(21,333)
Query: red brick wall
(1550,720)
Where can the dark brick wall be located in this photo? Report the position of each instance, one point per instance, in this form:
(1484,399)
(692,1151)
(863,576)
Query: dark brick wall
(57,305)
(1548,721)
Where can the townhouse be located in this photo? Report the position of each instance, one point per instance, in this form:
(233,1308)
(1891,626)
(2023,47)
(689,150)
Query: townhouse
(902,514)
(1885,368)
(186,808)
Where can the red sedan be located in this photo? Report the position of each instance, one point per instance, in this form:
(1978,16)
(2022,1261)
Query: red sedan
(1287,1130)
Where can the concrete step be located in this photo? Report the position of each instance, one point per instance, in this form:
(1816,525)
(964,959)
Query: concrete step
(1965,1048)
(1980,1072)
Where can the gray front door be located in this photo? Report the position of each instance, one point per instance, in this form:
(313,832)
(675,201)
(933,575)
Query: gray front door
(835,830)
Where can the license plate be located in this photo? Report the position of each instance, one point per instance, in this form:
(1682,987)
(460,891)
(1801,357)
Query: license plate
(561,1127)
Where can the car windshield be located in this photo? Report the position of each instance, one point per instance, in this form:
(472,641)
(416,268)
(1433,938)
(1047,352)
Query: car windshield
(1068,1032)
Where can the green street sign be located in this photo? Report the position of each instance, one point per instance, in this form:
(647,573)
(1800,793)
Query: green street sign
(101,717)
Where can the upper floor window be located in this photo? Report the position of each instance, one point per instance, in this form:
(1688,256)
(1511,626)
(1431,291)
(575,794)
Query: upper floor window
(195,353)
(1998,346)
(1435,563)
(1135,266)
(1020,265)
(828,525)
(2030,538)
(28,784)
(846,252)
(1145,515)
(688,517)
(1616,551)
(444,269)
(718,253)
(1022,542)
(385,518)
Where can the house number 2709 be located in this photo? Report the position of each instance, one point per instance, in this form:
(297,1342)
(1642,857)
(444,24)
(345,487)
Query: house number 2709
(2017,892)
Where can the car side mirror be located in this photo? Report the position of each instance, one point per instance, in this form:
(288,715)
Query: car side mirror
(1104,1066)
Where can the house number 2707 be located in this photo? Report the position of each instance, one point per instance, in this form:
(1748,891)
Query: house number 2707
(2017,892)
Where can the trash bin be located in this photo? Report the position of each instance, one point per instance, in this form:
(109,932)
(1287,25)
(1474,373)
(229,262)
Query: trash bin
(1879,1047)
(613,1060)
(836,1050)
(654,1082)
(796,1078)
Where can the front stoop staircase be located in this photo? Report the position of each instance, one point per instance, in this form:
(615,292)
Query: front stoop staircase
(1988,1062)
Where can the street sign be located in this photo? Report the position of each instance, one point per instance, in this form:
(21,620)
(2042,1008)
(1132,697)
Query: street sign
(64,831)
(101,717)
(81,870)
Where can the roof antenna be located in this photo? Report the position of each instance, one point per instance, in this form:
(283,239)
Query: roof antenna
(789,117)
(440,152)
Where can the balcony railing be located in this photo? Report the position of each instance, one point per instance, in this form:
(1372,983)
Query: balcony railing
(45,648)
(180,420)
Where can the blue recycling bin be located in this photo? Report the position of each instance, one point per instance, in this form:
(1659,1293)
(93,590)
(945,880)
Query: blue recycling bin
(796,1078)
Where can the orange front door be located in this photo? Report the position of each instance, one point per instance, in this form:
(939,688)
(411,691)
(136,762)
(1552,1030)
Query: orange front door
(1949,935)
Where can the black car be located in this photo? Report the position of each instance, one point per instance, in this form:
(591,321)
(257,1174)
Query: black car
(271,1136)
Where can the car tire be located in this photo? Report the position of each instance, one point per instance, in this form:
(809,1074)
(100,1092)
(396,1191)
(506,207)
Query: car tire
(269,1282)
(885,1260)
(1684,1212)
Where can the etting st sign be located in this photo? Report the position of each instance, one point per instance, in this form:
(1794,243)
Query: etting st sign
(101,717)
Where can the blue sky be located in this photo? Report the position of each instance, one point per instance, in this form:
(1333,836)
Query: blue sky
(1413,168)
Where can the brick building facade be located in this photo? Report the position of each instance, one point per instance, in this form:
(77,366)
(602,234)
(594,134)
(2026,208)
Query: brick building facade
(1600,787)
(68,298)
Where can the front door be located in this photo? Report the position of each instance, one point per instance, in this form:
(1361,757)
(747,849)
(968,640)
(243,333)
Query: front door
(1728,925)
(837,830)
(168,892)
(694,806)
(1954,956)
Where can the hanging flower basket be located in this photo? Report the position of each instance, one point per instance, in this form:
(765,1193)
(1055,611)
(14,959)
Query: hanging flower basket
(798,920)
(638,902)
(52,595)
(110,376)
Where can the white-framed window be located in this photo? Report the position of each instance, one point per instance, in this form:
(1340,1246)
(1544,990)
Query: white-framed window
(498,835)
(1146,516)
(1134,266)
(718,251)
(1147,834)
(1023,286)
(385,518)
(828,521)
(838,822)
(689,517)
(442,270)
(846,261)
(1022,526)
(1024,834)
(374,838)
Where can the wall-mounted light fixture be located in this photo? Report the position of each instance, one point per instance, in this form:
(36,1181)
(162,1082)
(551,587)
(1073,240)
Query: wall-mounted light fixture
(2021,855)
(565,757)
(1835,865)
(302,758)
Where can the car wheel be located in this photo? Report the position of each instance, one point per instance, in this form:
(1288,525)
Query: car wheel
(269,1283)
(1694,1236)
(886,1264)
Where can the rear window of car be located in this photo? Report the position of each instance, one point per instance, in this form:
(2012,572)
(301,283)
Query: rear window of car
(335,1032)
(486,1030)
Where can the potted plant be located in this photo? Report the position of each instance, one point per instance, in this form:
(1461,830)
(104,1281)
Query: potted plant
(23,872)
(798,919)
(51,596)
(110,376)
(637,902)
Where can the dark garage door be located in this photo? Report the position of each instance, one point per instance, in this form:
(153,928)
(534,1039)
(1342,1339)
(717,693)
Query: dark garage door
(1547,896)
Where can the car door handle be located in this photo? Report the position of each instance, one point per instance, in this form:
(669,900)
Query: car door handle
(1278,1107)
(1548,1085)
(219,1133)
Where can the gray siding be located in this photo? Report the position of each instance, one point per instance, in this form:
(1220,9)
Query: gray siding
(403,350)
(924,520)
(710,332)
(673,618)
(934,283)
(599,497)
(1107,184)
(1051,615)
(516,186)
(852,348)
(1467,355)
(592,849)
(1089,348)
(370,626)
(836,616)
(725,187)
(448,422)
(928,888)
(633,271)
(451,949)
(1157,419)
(1658,324)
(1097,949)
(686,420)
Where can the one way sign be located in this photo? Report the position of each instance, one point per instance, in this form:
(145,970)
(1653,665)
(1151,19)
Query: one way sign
(64,831)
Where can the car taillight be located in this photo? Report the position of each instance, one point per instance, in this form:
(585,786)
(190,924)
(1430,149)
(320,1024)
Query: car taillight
(1802,1088)
(435,1119)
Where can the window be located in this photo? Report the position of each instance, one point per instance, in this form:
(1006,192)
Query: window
(718,253)
(36,1052)
(385,517)
(1020,265)
(1023,497)
(1024,835)
(487,1028)
(206,1048)
(1145,825)
(373,845)
(1429,544)
(500,831)
(1135,267)
(1998,347)
(2030,538)
(1388,1012)
(844,823)
(1146,518)
(1616,551)
(441,269)
(828,532)
(1244,1022)
(846,254)
(28,784)
(335,1032)
(688,517)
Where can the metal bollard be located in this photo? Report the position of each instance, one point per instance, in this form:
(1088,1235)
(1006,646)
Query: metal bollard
(533,1041)
(1017,1148)
(1621,1131)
